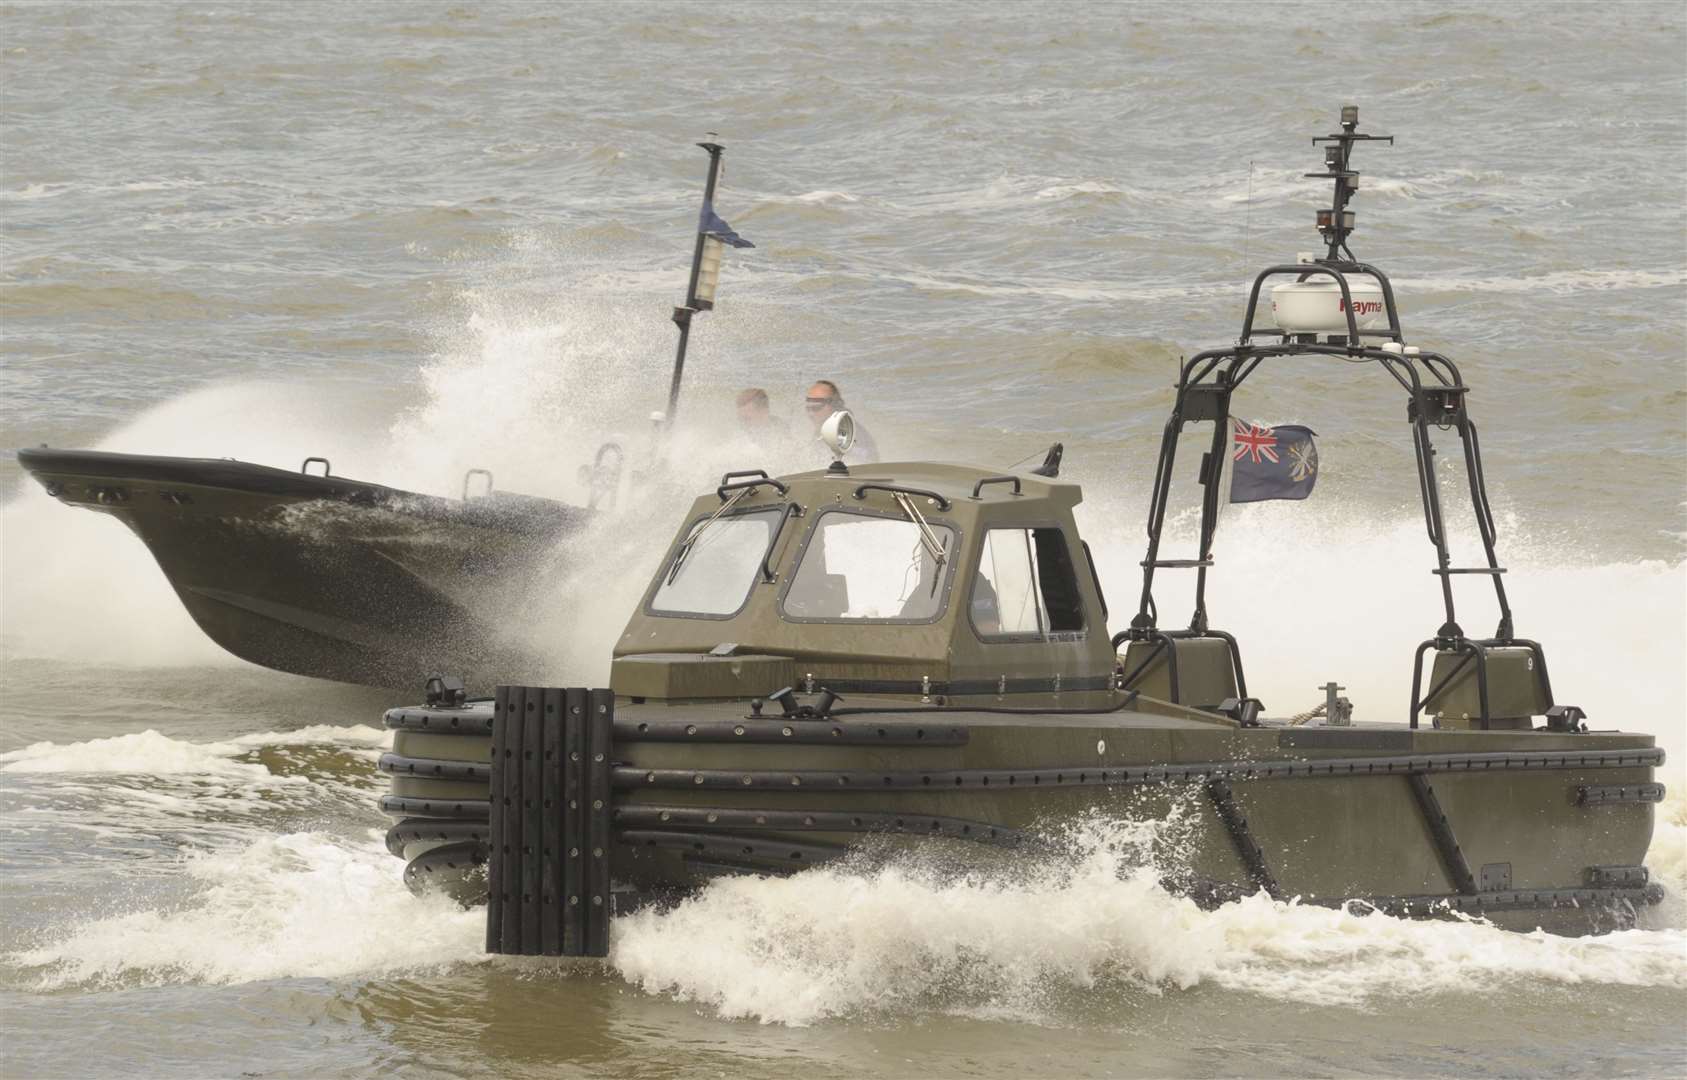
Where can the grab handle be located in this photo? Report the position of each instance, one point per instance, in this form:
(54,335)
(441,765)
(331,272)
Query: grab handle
(978,487)
(470,475)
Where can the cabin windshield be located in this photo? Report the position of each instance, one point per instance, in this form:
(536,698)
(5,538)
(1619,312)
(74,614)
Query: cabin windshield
(869,568)
(713,570)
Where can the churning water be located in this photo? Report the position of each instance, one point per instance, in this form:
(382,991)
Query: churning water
(425,238)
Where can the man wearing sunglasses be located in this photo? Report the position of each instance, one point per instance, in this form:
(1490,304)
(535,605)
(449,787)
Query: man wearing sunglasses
(824,398)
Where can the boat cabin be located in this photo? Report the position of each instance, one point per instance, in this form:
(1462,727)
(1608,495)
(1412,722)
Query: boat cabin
(910,579)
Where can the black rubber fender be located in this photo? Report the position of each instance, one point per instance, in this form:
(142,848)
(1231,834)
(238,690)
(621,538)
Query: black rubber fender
(475,719)
(434,768)
(418,830)
(445,867)
(404,806)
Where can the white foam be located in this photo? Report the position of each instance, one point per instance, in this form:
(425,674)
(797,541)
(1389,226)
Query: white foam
(835,942)
(300,905)
(823,197)
(1667,857)
(1082,187)
(149,753)
(79,586)
(1348,596)
(31,192)
(356,735)
(140,753)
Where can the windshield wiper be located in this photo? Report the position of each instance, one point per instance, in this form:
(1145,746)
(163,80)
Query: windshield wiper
(686,548)
(939,554)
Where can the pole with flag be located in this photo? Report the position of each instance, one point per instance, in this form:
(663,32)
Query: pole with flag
(713,235)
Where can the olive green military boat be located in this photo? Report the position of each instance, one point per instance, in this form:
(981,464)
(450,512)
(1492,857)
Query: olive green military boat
(916,657)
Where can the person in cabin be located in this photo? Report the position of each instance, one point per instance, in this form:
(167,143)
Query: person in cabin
(824,398)
(758,422)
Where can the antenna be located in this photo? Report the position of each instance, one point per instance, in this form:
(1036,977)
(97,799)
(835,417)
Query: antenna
(1336,223)
(1248,218)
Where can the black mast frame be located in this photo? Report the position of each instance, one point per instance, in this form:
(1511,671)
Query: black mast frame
(1436,395)
(682,315)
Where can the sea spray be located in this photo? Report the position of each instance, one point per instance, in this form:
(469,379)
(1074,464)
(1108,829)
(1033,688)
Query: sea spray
(149,753)
(295,905)
(1349,597)
(78,586)
(853,943)
(1084,913)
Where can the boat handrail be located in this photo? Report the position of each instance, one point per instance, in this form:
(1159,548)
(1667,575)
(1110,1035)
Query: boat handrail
(942,503)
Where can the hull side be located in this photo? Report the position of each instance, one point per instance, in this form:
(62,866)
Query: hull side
(326,577)
(1254,808)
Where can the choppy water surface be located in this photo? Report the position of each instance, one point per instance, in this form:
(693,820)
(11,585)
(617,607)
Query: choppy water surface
(421,238)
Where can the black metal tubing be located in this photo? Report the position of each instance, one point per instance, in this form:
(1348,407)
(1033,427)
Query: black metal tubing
(800,732)
(1089,775)
(1603,794)
(445,830)
(1211,482)
(1095,579)
(791,510)
(1471,650)
(1441,832)
(1302,271)
(1228,368)
(1164,645)
(751,821)
(402,806)
(748,849)
(750,485)
(1235,655)
(978,487)
(1253,858)
(440,721)
(604,479)
(1192,372)
(942,503)
(1168,641)
(1477,649)
(682,315)
(433,769)
(1031,684)
(1393,313)
(327,469)
(1584,898)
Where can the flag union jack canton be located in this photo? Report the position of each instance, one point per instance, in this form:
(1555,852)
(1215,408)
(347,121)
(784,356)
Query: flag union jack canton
(1271,463)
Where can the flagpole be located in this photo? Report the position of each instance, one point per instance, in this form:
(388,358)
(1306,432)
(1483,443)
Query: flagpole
(682,315)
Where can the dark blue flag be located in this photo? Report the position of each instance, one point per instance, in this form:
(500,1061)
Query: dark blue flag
(712,224)
(1271,463)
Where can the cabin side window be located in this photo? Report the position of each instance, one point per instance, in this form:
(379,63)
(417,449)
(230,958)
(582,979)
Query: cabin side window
(1026,587)
(870,568)
(713,570)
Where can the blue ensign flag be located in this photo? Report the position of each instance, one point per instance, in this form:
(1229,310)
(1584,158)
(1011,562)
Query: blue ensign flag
(1271,463)
(712,224)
